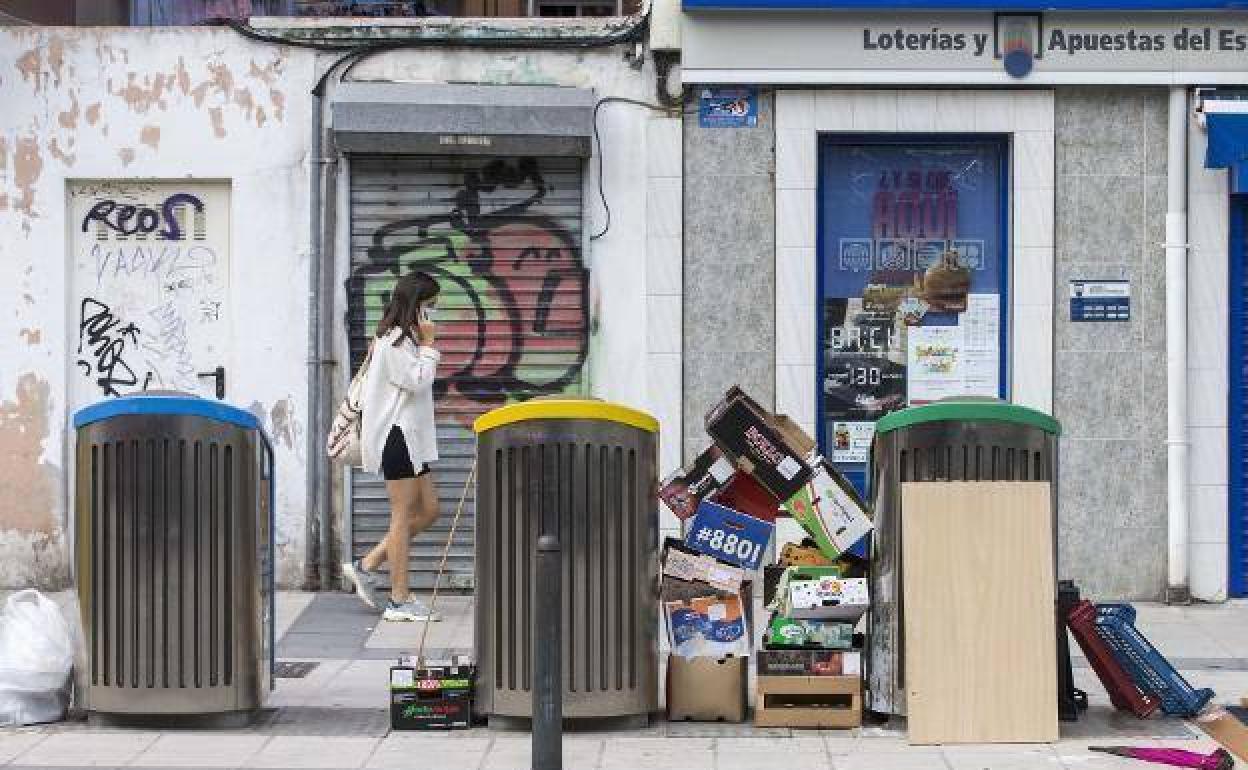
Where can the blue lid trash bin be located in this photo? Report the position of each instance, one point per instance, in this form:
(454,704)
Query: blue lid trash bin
(174,555)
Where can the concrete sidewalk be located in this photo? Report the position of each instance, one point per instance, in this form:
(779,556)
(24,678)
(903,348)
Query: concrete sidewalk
(336,715)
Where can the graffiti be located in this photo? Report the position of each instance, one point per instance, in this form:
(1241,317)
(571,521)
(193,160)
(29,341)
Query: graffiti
(513,319)
(129,219)
(103,336)
(139,260)
(173,345)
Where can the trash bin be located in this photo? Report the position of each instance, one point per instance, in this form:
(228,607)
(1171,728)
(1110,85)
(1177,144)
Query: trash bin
(584,471)
(174,556)
(959,439)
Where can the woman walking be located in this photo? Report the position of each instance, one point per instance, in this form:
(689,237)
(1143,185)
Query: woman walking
(398,438)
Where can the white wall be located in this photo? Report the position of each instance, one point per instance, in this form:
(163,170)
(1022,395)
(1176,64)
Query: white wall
(1207,372)
(143,103)
(204,103)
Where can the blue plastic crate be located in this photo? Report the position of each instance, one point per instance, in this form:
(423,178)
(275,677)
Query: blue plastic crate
(1115,623)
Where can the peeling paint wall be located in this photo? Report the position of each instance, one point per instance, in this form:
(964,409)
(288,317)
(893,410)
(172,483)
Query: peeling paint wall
(106,103)
(203,103)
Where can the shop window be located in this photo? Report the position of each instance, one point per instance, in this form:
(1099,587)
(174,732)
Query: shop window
(912,280)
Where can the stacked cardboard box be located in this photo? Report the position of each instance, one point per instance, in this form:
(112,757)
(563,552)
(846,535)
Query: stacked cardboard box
(759,467)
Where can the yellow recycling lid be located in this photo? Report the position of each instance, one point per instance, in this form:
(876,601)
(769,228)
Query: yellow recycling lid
(565,409)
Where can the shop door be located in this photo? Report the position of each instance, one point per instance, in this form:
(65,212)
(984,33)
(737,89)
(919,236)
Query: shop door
(1237,474)
(151,306)
(912,280)
(502,236)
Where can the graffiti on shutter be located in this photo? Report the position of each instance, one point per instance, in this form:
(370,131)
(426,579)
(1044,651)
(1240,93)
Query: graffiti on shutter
(513,319)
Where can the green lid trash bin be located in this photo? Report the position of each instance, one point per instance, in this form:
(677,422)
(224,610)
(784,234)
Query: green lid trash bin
(957,439)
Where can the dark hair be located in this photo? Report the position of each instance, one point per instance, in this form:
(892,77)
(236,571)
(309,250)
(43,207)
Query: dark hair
(403,308)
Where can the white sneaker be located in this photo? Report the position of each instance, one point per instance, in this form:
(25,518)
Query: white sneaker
(365,584)
(410,610)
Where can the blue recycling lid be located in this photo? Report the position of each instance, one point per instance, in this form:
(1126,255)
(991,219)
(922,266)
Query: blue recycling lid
(171,404)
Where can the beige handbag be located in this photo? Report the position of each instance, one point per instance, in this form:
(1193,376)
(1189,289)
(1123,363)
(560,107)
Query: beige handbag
(343,443)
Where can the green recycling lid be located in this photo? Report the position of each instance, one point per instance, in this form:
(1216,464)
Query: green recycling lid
(972,409)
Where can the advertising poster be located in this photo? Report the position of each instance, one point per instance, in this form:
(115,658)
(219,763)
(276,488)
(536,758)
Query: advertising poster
(911,281)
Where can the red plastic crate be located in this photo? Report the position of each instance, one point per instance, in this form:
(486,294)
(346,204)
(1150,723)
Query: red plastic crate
(1121,688)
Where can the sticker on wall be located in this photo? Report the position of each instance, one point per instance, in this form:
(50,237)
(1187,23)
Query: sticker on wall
(1100,300)
(728,108)
(851,441)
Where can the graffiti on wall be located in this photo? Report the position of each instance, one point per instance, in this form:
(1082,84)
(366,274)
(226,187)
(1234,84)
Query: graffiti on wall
(513,313)
(150,283)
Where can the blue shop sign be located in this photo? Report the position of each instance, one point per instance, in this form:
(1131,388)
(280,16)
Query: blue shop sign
(728,107)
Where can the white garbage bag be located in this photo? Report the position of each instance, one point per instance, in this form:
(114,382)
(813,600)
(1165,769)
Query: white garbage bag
(36,660)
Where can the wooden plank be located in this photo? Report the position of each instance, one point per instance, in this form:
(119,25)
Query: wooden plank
(981,658)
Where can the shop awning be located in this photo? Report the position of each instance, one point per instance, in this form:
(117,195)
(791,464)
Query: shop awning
(446,119)
(1228,147)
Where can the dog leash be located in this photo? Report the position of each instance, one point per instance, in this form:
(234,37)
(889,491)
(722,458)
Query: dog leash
(446,552)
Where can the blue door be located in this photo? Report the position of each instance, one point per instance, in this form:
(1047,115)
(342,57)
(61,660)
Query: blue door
(1237,472)
(912,303)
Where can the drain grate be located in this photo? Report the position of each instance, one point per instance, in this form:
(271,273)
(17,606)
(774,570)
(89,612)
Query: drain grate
(294,669)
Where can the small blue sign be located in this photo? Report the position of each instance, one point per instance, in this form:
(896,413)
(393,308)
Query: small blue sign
(1106,301)
(729,535)
(728,108)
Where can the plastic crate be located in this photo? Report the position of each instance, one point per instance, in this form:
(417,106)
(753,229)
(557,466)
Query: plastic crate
(1152,673)
(1123,692)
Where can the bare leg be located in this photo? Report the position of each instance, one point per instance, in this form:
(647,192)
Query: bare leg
(404,507)
(377,556)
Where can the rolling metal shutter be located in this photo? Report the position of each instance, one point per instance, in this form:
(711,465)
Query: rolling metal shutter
(502,236)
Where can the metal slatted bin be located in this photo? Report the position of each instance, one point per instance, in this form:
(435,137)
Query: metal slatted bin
(175,556)
(952,440)
(584,471)
(502,236)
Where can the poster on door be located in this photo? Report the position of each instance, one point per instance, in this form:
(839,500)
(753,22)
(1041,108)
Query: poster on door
(150,308)
(911,247)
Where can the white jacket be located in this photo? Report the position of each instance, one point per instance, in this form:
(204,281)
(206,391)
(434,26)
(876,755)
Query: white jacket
(398,390)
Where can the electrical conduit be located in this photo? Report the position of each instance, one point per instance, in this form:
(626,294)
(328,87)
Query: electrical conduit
(1176,348)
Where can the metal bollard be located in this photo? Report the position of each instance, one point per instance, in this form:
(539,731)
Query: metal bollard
(547,661)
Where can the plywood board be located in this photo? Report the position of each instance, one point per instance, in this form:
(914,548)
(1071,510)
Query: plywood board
(981,658)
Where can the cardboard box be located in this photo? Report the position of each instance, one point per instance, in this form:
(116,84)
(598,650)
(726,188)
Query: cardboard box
(779,594)
(828,598)
(785,632)
(769,448)
(683,563)
(707,689)
(1222,726)
(729,535)
(434,696)
(707,626)
(684,489)
(809,663)
(829,508)
(809,701)
(794,555)
(743,493)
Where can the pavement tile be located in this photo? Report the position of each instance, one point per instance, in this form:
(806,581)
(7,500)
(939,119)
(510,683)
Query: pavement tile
(779,756)
(77,749)
(626,756)
(199,750)
(14,743)
(314,751)
(512,755)
(1001,758)
(866,759)
(440,749)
